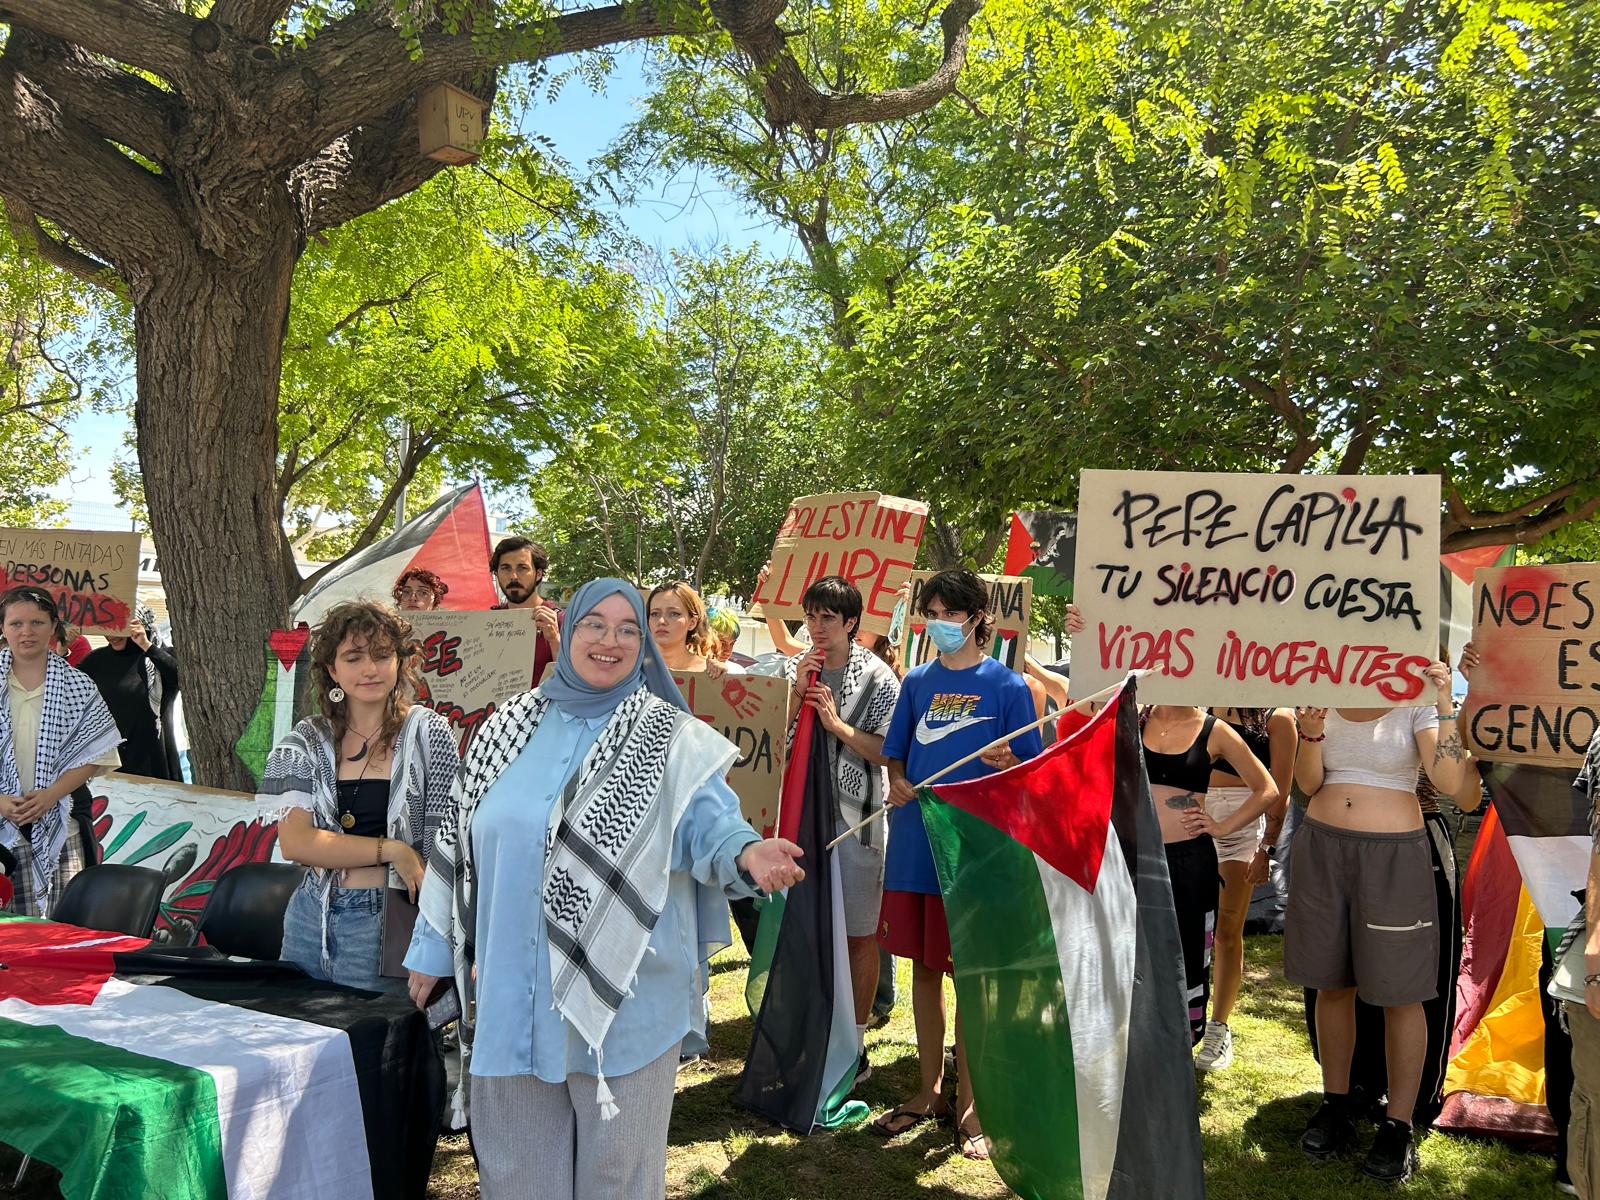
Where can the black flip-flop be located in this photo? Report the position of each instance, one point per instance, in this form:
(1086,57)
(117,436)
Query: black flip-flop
(917,1118)
(965,1139)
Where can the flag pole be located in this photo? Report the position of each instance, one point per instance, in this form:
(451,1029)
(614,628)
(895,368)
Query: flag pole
(1076,706)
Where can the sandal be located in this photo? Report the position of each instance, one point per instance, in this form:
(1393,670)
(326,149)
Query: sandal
(910,1116)
(972,1146)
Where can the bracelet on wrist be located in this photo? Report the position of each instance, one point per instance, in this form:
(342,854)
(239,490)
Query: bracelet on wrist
(1449,716)
(379,861)
(1306,737)
(1591,980)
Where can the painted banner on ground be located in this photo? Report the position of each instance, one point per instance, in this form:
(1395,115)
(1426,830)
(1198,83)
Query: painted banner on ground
(1010,611)
(1042,546)
(869,538)
(92,575)
(1535,695)
(752,712)
(1259,589)
(472,662)
(190,834)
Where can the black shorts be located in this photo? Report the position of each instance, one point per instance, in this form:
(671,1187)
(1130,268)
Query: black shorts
(1363,913)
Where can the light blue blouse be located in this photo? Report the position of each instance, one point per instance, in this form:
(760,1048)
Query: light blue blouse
(519,1031)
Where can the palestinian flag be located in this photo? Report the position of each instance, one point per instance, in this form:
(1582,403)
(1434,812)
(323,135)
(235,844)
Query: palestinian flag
(142,1073)
(285,697)
(1043,545)
(1455,592)
(803,1054)
(450,538)
(1069,974)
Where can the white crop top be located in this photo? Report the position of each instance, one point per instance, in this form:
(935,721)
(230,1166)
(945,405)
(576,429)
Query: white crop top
(1381,753)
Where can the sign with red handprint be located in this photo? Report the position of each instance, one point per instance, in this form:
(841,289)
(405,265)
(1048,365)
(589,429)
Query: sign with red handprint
(752,712)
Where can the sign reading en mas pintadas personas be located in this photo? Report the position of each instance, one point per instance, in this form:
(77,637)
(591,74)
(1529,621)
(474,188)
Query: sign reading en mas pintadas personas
(869,538)
(1259,590)
(93,576)
(472,662)
(1535,694)
(1010,615)
(752,712)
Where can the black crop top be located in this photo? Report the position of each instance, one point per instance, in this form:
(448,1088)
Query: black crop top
(1260,743)
(364,807)
(1190,770)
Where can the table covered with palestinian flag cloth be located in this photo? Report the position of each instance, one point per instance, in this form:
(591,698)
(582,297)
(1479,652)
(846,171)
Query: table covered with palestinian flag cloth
(140,1071)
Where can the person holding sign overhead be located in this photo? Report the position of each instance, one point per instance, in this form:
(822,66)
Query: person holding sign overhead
(948,709)
(1363,916)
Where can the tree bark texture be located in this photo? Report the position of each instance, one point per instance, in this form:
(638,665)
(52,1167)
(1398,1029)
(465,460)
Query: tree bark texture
(210,338)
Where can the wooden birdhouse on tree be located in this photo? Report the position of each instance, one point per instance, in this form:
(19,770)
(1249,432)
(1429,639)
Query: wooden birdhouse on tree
(449,124)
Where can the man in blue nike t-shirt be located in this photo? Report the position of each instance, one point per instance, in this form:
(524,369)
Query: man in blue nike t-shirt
(948,708)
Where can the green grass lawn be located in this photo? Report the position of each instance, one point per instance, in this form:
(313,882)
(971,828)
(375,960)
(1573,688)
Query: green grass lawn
(1251,1116)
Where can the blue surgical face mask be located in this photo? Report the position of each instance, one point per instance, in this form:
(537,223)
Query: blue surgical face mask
(948,636)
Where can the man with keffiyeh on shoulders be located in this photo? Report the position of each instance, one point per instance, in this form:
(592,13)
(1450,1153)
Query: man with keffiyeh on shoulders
(597,804)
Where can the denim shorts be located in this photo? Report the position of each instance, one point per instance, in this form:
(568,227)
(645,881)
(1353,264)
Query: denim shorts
(355,935)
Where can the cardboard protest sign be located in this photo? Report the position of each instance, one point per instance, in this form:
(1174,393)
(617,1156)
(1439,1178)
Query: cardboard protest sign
(1010,612)
(472,662)
(868,538)
(1042,546)
(752,712)
(1259,590)
(93,576)
(1535,696)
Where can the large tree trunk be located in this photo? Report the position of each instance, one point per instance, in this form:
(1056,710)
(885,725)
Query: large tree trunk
(210,337)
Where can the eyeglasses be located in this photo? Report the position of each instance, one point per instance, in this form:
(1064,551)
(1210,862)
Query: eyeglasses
(593,629)
(416,593)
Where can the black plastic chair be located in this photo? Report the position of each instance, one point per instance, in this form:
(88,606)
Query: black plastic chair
(243,916)
(114,897)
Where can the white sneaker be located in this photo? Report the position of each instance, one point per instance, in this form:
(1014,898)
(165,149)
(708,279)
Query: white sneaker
(1216,1048)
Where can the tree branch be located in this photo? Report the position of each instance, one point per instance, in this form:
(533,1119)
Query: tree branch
(362,170)
(117,104)
(250,19)
(1524,532)
(60,168)
(141,34)
(1462,517)
(31,235)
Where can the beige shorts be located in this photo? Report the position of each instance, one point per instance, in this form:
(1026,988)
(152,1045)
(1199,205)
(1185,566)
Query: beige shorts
(1222,803)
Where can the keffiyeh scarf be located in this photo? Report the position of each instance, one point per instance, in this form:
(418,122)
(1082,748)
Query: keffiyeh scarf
(75,728)
(301,773)
(608,853)
(865,701)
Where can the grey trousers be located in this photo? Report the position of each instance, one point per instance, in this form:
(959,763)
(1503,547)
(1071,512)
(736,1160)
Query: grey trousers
(546,1141)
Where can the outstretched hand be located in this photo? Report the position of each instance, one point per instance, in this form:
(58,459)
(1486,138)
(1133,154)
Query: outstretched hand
(774,864)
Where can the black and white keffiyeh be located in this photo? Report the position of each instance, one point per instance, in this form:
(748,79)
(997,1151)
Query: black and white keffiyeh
(75,728)
(865,701)
(608,853)
(301,773)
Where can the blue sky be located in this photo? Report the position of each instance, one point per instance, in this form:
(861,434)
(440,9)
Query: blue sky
(677,213)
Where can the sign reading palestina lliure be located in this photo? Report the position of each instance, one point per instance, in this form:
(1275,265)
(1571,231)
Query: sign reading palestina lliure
(1534,697)
(752,712)
(1010,615)
(472,662)
(868,538)
(1259,590)
(92,576)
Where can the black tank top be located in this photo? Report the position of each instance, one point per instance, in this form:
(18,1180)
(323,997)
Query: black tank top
(364,807)
(1260,744)
(1190,770)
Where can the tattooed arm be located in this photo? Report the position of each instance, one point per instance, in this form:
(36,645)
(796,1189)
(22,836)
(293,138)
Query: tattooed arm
(1441,748)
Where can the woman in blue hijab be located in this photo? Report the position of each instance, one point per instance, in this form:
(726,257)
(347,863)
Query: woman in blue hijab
(575,893)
